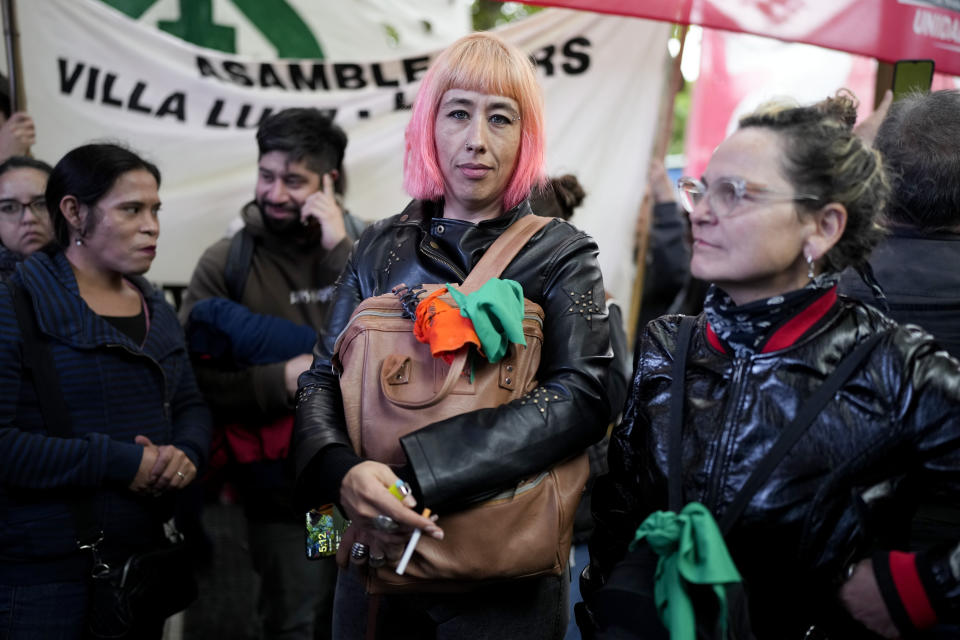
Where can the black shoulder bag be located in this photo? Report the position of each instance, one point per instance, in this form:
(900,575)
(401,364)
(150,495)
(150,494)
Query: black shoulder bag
(149,586)
(624,608)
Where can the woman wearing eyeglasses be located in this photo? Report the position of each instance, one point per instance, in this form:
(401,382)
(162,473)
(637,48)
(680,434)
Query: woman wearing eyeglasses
(24,221)
(821,542)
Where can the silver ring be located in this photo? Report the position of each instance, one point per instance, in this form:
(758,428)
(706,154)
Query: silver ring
(377,561)
(385,523)
(181,474)
(359,552)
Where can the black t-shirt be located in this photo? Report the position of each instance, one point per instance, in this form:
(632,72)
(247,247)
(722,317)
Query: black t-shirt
(133,326)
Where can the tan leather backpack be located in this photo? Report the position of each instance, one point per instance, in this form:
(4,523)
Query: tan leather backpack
(392,385)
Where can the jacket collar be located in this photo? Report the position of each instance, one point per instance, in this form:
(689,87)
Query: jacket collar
(419,213)
(790,332)
(62,314)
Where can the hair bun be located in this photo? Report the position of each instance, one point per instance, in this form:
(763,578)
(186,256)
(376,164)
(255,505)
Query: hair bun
(569,191)
(842,107)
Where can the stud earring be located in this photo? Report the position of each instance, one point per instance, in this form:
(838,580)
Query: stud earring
(79,242)
(810,273)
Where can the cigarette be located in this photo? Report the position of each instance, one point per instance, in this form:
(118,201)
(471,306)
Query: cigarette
(408,552)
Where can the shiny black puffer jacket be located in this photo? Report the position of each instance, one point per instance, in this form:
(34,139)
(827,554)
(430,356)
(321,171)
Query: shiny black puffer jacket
(845,490)
(471,455)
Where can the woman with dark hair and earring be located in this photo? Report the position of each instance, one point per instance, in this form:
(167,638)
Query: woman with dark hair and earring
(816,523)
(137,426)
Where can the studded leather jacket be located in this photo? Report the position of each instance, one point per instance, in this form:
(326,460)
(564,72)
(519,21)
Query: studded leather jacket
(844,492)
(475,454)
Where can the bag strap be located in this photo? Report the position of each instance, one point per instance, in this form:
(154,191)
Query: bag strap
(503,250)
(239,259)
(808,412)
(677,395)
(38,359)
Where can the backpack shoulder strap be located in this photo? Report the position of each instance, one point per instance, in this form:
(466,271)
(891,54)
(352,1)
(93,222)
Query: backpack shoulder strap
(353,225)
(503,250)
(239,259)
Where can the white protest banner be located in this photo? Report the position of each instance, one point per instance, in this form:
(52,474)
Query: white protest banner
(331,29)
(93,73)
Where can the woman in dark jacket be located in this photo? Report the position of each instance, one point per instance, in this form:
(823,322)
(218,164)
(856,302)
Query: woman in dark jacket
(786,203)
(474,150)
(138,429)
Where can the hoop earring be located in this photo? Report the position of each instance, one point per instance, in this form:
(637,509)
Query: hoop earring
(810,274)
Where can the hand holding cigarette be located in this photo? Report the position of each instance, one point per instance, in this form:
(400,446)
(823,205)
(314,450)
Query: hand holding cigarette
(408,552)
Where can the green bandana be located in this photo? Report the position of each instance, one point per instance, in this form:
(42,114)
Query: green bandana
(496,310)
(691,550)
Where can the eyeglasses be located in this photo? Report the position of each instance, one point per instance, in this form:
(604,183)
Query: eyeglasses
(726,194)
(13,209)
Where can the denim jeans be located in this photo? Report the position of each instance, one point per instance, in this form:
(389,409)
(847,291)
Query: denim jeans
(43,611)
(532,609)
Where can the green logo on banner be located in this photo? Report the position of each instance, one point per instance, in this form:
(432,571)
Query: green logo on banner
(275,19)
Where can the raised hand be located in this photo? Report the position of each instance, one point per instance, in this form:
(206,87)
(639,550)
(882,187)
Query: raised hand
(322,206)
(17,135)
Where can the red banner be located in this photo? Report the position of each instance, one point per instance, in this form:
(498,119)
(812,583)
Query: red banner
(888,30)
(739,72)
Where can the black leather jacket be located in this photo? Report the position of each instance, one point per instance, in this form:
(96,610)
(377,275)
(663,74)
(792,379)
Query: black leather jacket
(471,455)
(846,488)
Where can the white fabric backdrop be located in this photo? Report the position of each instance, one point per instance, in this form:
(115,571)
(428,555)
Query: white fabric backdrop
(92,73)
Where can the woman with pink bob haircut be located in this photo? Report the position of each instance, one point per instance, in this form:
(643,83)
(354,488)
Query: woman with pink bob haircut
(483,63)
(475,147)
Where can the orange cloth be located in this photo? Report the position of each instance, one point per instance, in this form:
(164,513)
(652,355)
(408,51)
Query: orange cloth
(442,327)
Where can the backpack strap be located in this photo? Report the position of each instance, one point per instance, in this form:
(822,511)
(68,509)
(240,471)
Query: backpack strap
(353,225)
(239,259)
(503,250)
(38,360)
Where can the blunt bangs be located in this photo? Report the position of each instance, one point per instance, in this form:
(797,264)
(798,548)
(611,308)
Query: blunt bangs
(483,63)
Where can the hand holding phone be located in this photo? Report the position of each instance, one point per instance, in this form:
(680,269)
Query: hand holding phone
(322,208)
(911,76)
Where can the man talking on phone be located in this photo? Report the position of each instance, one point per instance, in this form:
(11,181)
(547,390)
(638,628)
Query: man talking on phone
(281,265)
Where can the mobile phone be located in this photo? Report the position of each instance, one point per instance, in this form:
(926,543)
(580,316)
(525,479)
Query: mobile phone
(911,76)
(324,527)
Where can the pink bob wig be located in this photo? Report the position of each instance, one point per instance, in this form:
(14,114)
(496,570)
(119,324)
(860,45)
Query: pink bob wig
(483,63)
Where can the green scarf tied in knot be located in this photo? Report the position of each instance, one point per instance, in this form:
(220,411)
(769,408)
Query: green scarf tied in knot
(692,551)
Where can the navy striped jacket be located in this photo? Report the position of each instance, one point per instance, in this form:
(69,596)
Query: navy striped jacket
(114,390)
